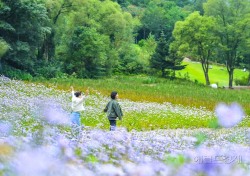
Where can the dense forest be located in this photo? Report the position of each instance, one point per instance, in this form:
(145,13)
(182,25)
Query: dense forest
(99,38)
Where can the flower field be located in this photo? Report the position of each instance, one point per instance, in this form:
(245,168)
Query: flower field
(153,138)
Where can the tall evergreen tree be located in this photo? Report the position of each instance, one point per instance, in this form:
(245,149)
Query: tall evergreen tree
(159,59)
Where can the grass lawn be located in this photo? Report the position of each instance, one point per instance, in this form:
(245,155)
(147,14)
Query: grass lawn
(217,74)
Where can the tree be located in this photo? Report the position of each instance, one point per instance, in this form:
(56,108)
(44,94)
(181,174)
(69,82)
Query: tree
(148,47)
(55,9)
(3,48)
(245,61)
(195,5)
(88,56)
(233,28)
(141,3)
(23,27)
(160,16)
(175,57)
(159,59)
(196,39)
(106,18)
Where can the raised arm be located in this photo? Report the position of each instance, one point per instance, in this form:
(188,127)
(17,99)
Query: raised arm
(72,90)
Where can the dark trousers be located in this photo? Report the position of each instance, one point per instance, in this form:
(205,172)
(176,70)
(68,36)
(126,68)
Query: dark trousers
(112,125)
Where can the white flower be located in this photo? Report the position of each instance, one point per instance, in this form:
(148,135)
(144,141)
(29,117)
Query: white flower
(229,116)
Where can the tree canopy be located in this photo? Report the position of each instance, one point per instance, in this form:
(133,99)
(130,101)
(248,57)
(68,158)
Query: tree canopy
(196,39)
(97,38)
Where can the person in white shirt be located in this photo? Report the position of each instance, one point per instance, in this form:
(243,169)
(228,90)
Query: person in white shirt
(77,106)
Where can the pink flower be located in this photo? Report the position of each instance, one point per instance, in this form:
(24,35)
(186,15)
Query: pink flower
(229,115)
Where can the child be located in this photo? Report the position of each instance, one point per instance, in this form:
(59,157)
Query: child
(113,110)
(77,106)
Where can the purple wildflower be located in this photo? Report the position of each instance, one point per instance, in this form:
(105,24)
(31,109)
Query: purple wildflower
(229,116)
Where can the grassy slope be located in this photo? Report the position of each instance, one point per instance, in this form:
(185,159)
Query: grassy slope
(143,88)
(217,74)
(178,92)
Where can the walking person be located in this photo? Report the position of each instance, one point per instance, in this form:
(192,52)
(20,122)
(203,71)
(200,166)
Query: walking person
(113,110)
(77,107)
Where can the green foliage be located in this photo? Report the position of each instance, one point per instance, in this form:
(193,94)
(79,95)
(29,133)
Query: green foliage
(78,152)
(154,18)
(106,35)
(194,5)
(119,36)
(88,53)
(141,3)
(244,81)
(91,159)
(49,69)
(159,60)
(14,73)
(4,47)
(130,62)
(195,38)
(23,27)
(147,49)
(177,160)
(232,27)
(214,124)
(161,16)
(201,138)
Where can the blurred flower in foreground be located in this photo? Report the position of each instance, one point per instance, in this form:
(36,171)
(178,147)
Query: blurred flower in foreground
(56,116)
(5,129)
(229,115)
(110,170)
(53,113)
(33,162)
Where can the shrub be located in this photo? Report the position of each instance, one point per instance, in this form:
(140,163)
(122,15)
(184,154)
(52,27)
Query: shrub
(242,82)
(14,73)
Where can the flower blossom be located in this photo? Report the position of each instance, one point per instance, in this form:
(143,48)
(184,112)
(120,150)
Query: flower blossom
(229,115)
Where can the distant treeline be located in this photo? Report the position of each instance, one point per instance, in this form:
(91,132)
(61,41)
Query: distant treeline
(98,38)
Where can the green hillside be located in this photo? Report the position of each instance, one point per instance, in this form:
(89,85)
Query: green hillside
(217,74)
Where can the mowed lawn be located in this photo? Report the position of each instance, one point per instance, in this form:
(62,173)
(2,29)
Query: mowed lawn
(217,74)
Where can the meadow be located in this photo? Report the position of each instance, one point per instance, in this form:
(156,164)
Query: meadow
(157,90)
(156,136)
(218,74)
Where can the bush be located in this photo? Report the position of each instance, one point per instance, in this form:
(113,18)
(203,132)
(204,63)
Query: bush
(14,73)
(244,81)
(49,70)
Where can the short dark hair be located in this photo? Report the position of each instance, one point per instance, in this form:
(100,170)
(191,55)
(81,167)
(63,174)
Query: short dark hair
(78,93)
(113,94)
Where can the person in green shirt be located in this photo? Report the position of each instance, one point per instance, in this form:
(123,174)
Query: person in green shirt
(113,110)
